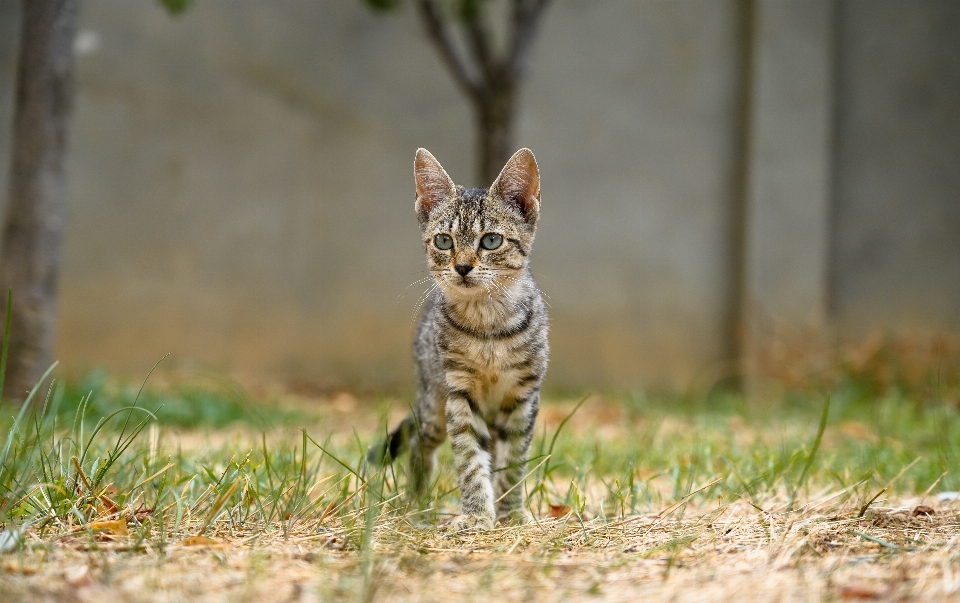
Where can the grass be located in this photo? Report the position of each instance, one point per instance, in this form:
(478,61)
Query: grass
(673,496)
(208,401)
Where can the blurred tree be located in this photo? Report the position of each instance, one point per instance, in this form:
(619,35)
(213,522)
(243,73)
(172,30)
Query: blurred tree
(490,78)
(33,226)
(36,195)
(175,7)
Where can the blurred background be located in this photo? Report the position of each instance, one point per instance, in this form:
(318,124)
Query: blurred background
(728,186)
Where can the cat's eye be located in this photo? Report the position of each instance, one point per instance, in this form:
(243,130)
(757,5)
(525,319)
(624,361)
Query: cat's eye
(443,241)
(491,241)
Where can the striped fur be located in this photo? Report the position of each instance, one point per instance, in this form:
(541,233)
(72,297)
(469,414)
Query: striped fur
(481,347)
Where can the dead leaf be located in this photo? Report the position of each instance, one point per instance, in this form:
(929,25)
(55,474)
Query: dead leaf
(923,510)
(558,511)
(857,591)
(117,527)
(200,541)
(15,567)
(107,499)
(857,431)
(344,402)
(78,575)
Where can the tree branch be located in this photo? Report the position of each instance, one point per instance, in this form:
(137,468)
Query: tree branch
(526,20)
(479,37)
(438,28)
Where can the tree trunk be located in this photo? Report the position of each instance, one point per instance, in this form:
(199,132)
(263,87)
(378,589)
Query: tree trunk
(496,113)
(33,225)
(735,331)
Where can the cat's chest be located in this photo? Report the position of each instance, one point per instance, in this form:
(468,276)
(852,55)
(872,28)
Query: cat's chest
(489,374)
(486,355)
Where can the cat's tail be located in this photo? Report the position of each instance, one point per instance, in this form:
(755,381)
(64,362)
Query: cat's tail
(395,444)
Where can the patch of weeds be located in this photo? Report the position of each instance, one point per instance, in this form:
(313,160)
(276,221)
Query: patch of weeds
(212,403)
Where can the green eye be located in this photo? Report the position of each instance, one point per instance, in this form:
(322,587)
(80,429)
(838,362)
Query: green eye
(491,241)
(443,241)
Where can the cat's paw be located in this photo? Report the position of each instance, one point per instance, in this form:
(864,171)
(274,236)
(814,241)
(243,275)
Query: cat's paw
(514,517)
(471,523)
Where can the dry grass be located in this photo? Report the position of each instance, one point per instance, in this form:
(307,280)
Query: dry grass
(716,552)
(675,500)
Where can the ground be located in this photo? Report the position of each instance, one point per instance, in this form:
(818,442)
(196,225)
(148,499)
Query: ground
(704,497)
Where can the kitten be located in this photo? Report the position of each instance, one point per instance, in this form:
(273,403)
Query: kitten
(481,346)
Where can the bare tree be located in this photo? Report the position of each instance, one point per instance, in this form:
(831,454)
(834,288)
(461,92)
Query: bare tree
(33,226)
(490,77)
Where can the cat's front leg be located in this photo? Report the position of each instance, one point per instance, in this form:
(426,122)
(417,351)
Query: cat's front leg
(470,440)
(514,432)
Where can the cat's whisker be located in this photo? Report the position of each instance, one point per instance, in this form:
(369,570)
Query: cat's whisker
(419,281)
(423,298)
(511,296)
(543,295)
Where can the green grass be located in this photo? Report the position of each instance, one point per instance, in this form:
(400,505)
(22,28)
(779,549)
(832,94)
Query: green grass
(70,461)
(66,447)
(213,402)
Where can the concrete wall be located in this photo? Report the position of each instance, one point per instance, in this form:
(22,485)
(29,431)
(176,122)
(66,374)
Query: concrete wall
(789,145)
(897,183)
(241,182)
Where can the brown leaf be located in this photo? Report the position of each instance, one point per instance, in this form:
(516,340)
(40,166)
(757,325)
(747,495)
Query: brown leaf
(923,510)
(116,527)
(344,402)
(78,575)
(200,541)
(109,506)
(107,499)
(15,567)
(857,591)
(558,511)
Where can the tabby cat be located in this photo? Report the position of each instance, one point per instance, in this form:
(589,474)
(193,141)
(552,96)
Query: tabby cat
(481,346)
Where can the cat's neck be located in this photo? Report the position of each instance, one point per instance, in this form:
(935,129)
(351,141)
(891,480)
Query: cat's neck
(499,307)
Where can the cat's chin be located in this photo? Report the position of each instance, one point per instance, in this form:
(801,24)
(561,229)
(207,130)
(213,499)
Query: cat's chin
(464,291)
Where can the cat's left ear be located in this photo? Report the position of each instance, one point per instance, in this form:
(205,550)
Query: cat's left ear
(519,184)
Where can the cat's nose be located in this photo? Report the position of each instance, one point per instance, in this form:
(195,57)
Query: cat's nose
(463,269)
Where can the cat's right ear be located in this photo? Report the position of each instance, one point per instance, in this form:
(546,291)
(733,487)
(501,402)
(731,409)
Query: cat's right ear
(434,186)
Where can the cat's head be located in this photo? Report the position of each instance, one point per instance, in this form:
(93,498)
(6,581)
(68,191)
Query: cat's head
(478,240)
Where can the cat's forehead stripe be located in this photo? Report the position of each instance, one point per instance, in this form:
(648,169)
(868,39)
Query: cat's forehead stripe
(471,213)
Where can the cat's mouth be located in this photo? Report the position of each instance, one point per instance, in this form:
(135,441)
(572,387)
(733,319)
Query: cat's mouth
(463,283)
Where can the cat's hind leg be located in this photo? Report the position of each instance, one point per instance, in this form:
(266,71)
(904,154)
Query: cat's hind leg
(426,437)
